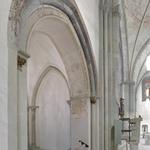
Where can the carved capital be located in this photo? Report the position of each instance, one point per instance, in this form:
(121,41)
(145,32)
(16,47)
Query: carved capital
(22,59)
(33,108)
(21,62)
(93,99)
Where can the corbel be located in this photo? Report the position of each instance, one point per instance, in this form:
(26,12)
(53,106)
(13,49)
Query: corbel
(93,99)
(116,8)
(33,108)
(21,59)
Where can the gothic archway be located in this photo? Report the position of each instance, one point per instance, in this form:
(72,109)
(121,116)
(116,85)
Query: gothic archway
(79,69)
(53,41)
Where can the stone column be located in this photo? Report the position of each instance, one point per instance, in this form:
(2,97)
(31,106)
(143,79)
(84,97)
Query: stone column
(32,125)
(5,133)
(101,78)
(22,101)
(130,103)
(132,108)
(12,101)
(128,92)
(107,71)
(80,123)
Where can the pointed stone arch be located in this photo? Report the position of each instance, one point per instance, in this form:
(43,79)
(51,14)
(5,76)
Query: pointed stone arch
(50,21)
(67,14)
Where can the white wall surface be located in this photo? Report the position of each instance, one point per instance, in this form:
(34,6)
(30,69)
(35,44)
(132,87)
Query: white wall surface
(47,53)
(90,13)
(53,115)
(48,47)
(4,11)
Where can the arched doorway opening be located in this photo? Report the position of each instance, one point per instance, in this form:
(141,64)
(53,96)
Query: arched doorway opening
(142,91)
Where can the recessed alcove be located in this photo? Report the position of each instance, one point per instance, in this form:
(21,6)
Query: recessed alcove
(58,84)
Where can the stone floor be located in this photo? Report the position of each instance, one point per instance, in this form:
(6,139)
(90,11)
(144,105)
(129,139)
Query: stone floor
(142,145)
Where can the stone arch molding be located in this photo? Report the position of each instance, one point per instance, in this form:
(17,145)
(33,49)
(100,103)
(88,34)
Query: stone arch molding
(29,14)
(42,76)
(28,17)
(47,13)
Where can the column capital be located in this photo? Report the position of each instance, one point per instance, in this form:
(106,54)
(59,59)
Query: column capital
(21,59)
(116,2)
(106,7)
(33,108)
(116,7)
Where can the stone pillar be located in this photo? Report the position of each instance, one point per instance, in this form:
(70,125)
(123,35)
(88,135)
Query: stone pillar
(80,123)
(32,127)
(132,101)
(4,99)
(12,101)
(22,101)
(111,57)
(125,95)
(107,25)
(128,92)
(133,147)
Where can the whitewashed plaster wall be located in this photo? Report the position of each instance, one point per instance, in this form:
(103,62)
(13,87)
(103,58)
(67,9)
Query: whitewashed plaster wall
(48,55)
(4,13)
(53,115)
(90,13)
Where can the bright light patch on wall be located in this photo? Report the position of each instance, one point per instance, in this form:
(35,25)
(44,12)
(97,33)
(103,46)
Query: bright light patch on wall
(148,63)
(147,103)
(147,92)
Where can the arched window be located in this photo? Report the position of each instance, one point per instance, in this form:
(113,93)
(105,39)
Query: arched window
(146,89)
